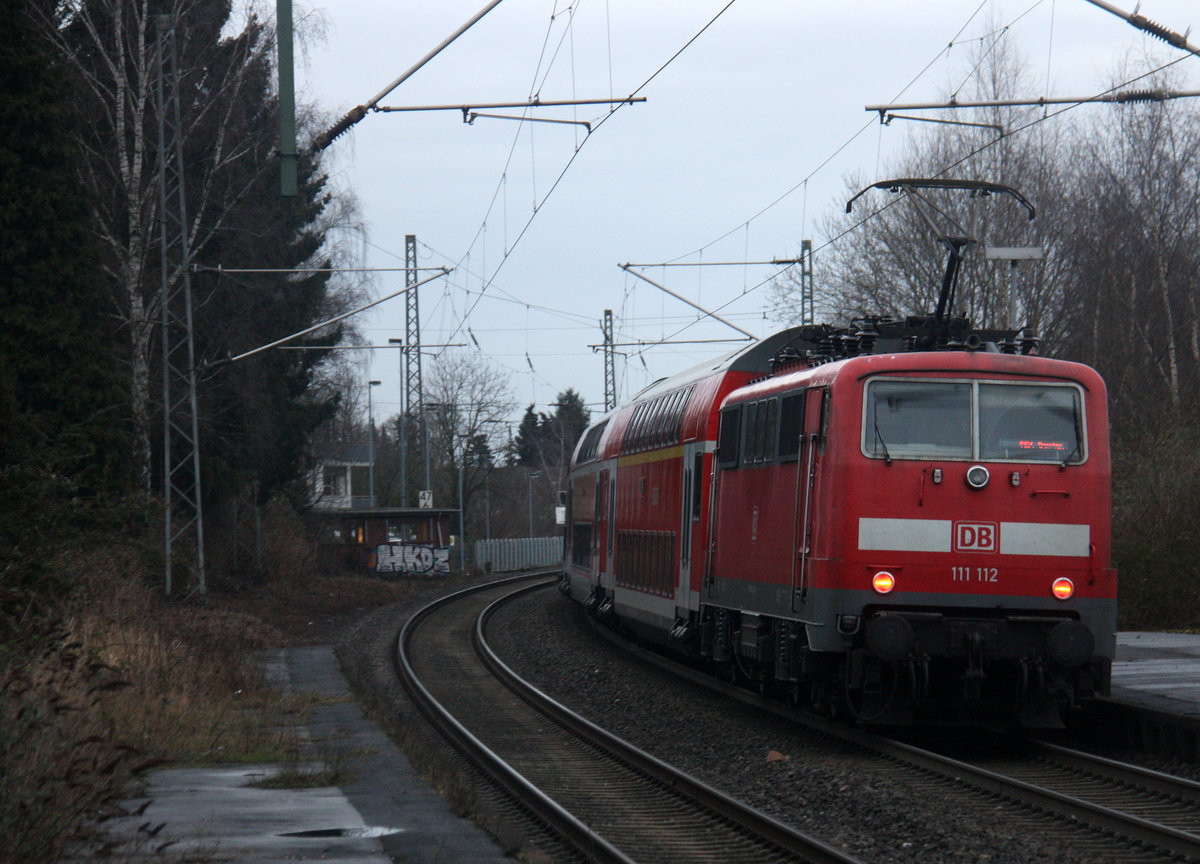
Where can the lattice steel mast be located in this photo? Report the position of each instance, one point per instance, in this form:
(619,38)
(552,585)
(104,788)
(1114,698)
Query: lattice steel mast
(414,399)
(610,365)
(808,306)
(181,435)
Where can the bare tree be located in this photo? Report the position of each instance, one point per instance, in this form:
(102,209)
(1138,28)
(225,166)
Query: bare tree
(885,258)
(228,132)
(468,401)
(1135,253)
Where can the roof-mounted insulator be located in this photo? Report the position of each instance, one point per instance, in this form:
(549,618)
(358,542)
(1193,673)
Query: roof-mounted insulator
(1158,31)
(788,356)
(1126,96)
(866,340)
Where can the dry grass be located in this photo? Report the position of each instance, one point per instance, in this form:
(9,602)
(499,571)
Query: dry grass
(109,680)
(127,682)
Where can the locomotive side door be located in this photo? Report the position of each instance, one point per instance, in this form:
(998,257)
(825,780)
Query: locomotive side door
(811,406)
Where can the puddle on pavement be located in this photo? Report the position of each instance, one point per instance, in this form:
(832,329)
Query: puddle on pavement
(355,833)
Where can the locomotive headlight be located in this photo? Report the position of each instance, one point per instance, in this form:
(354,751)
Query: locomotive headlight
(1062,588)
(883,582)
(978,476)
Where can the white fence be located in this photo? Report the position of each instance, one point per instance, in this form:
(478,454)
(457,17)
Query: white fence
(519,554)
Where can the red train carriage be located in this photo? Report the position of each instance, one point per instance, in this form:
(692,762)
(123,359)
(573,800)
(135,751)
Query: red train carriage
(907,520)
(911,536)
(640,492)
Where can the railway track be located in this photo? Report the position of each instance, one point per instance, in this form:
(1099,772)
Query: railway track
(1158,809)
(609,800)
(1148,814)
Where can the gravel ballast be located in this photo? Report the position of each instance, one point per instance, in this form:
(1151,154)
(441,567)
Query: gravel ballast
(878,813)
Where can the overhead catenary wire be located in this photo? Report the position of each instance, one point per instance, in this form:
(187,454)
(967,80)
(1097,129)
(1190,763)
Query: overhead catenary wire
(803,184)
(713,263)
(836,152)
(575,154)
(950,167)
(506,298)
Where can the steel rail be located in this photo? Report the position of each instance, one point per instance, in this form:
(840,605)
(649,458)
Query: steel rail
(545,808)
(1089,813)
(1133,775)
(760,834)
(796,842)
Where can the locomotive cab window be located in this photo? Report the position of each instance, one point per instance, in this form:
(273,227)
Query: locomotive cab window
(919,420)
(1029,423)
(727,438)
(1012,422)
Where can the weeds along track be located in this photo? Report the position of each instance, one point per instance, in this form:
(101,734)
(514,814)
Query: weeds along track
(610,801)
(1119,812)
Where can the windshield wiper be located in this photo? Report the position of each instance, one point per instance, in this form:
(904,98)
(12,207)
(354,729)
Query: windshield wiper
(887,457)
(1076,450)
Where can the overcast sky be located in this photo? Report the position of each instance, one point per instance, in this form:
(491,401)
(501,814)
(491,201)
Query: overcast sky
(764,108)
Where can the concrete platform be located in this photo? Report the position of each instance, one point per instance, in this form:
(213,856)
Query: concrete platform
(384,813)
(1160,671)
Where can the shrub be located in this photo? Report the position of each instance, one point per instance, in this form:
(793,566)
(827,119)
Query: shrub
(1156,525)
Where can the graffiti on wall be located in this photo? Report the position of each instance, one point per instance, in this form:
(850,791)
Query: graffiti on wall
(412,559)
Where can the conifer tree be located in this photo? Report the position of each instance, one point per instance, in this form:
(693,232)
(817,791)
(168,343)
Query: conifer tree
(62,406)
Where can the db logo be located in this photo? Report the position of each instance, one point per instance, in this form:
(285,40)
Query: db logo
(976,536)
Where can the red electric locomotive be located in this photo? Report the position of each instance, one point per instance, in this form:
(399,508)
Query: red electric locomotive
(907,521)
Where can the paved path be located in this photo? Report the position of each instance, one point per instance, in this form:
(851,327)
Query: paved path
(1158,670)
(385,812)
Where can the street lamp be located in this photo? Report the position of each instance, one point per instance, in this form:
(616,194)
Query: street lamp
(371,431)
(428,407)
(532,474)
(462,508)
(403,430)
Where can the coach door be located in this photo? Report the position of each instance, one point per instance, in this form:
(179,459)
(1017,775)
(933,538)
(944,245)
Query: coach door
(600,542)
(806,414)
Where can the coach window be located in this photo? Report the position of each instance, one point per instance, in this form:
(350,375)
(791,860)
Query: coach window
(654,430)
(663,421)
(727,438)
(643,423)
(791,426)
(676,427)
(653,415)
(672,431)
(629,439)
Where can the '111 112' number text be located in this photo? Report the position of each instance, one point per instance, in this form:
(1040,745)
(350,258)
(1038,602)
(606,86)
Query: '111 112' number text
(974,574)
